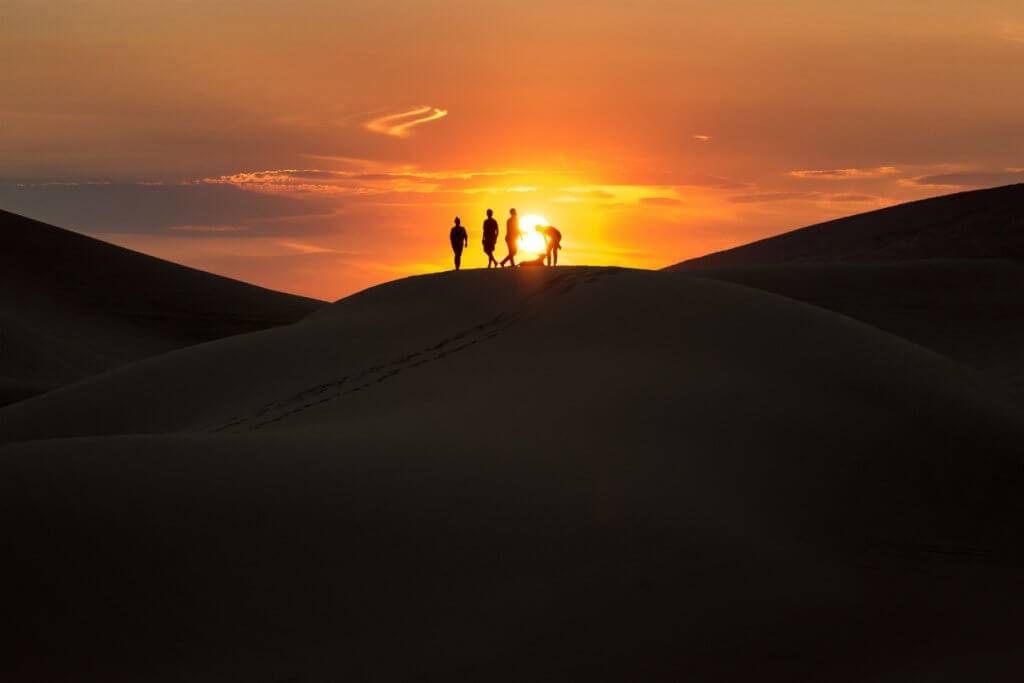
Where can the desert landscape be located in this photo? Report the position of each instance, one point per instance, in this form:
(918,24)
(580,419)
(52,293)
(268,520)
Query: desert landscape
(782,462)
(442,340)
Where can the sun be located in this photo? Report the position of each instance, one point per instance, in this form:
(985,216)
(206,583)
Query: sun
(529,239)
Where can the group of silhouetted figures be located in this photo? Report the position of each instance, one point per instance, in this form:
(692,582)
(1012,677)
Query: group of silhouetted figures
(552,241)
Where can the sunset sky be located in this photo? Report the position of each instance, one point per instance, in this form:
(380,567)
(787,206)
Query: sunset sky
(321,147)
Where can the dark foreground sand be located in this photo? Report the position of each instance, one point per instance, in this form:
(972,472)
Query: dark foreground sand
(571,474)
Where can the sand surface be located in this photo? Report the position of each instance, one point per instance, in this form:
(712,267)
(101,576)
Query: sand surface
(72,306)
(946,273)
(978,224)
(971,310)
(553,474)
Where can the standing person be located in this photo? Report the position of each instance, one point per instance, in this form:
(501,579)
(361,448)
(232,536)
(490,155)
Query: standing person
(490,238)
(511,237)
(459,239)
(552,243)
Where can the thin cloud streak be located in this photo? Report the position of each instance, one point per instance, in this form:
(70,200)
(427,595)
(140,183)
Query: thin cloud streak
(841,173)
(401,125)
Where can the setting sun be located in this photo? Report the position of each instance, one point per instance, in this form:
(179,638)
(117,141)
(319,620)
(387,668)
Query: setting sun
(529,239)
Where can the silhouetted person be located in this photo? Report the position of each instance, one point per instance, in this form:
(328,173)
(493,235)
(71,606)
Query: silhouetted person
(490,238)
(511,237)
(552,243)
(459,239)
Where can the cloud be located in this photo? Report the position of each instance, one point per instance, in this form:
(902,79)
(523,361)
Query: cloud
(841,173)
(584,193)
(851,198)
(1012,32)
(802,196)
(187,209)
(304,248)
(401,125)
(972,178)
(660,201)
(772,197)
(208,229)
(379,181)
(701,138)
(709,181)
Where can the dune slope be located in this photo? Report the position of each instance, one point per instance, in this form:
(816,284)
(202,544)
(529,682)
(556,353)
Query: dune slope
(970,310)
(976,224)
(564,474)
(945,273)
(72,306)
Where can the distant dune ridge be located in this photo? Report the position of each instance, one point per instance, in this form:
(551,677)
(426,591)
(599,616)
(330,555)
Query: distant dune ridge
(578,473)
(976,224)
(946,273)
(72,306)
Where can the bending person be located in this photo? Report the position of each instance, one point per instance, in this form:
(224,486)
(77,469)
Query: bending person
(552,243)
(459,239)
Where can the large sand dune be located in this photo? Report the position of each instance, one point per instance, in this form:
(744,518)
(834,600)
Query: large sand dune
(72,306)
(946,273)
(975,224)
(971,310)
(555,474)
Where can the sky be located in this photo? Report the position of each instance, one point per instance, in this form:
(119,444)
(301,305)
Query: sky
(320,147)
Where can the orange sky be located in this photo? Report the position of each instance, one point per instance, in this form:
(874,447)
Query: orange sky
(319,147)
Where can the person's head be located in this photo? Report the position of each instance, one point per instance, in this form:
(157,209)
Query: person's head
(512,211)
(457,221)
(490,213)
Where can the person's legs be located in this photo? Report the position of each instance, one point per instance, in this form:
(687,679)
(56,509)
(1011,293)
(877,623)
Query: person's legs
(458,258)
(554,256)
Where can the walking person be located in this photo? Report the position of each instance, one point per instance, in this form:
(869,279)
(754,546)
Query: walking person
(490,238)
(511,237)
(459,239)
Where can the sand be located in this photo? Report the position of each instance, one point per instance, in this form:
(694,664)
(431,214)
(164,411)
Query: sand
(946,273)
(72,306)
(554,474)
(977,224)
(970,310)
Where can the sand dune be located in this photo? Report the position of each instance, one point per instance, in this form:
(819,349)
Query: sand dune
(569,474)
(946,273)
(976,224)
(72,306)
(970,310)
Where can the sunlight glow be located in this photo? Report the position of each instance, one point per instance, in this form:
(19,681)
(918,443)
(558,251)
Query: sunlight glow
(530,240)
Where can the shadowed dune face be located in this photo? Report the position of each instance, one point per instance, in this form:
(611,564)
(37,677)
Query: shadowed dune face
(966,225)
(72,306)
(969,310)
(945,273)
(570,473)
